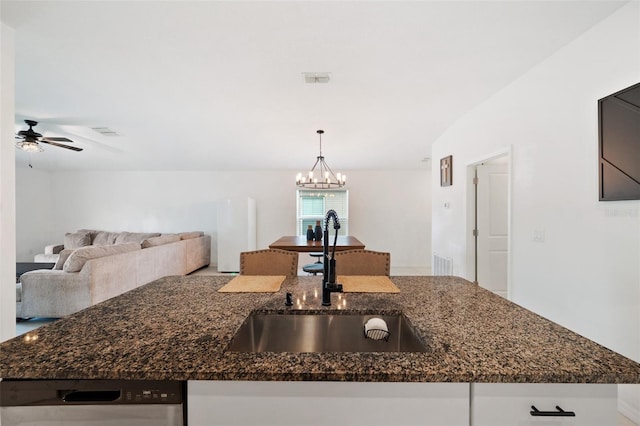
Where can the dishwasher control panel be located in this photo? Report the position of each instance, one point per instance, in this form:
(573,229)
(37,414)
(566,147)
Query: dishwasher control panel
(160,393)
(90,392)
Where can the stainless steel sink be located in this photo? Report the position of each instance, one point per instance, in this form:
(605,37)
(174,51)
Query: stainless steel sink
(262,332)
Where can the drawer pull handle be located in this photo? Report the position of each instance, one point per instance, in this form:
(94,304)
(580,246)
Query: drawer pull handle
(560,413)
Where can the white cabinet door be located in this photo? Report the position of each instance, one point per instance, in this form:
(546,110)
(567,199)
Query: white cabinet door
(327,403)
(496,404)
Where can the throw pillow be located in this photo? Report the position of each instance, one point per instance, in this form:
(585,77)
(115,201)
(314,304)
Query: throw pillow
(79,257)
(158,241)
(92,233)
(104,238)
(135,237)
(76,240)
(63,256)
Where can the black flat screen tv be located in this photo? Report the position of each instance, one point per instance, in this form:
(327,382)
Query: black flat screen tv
(619,145)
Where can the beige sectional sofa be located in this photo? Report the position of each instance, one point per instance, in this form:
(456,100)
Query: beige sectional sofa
(97,265)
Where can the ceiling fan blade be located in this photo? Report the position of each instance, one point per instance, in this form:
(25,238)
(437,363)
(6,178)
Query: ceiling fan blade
(67,140)
(73,148)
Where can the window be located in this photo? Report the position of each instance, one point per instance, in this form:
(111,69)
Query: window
(313,206)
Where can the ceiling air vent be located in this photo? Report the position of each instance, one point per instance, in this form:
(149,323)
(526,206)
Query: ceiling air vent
(105,131)
(316,77)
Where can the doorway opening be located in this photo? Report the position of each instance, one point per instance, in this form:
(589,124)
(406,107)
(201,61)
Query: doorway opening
(489,222)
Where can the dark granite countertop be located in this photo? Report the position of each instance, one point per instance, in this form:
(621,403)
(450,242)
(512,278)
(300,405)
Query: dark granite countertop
(178,328)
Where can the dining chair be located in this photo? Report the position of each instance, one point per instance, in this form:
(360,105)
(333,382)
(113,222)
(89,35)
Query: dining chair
(269,262)
(363,262)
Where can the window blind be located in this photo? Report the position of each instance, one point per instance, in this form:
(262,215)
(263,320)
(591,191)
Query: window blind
(313,205)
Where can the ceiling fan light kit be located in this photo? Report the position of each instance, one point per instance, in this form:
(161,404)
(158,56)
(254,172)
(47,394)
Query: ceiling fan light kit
(29,146)
(29,140)
(323,177)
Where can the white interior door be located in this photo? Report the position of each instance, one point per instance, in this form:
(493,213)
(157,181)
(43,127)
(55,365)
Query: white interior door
(492,204)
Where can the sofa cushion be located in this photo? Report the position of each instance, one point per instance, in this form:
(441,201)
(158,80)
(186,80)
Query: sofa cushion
(92,233)
(189,235)
(79,257)
(76,240)
(135,237)
(63,256)
(104,238)
(158,241)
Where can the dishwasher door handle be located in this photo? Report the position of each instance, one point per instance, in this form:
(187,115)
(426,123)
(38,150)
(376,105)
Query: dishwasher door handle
(89,396)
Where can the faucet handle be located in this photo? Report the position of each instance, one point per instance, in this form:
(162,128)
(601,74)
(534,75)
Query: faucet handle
(334,287)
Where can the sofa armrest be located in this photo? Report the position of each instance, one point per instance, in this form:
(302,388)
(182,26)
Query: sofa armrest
(53,248)
(46,258)
(53,293)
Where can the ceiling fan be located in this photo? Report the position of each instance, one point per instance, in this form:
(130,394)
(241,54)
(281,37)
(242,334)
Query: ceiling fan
(29,140)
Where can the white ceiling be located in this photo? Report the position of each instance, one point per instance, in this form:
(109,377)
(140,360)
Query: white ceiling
(218,85)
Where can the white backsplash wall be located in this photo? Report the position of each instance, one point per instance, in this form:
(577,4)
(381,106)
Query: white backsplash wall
(175,201)
(573,259)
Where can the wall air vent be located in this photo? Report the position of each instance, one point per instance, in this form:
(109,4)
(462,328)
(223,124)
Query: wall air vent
(442,265)
(316,77)
(105,131)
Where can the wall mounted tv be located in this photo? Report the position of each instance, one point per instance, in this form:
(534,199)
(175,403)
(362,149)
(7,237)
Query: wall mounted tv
(619,145)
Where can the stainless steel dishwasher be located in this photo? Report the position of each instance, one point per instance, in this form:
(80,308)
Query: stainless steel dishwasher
(94,402)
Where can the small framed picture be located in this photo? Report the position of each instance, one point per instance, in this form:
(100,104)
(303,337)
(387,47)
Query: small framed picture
(446,171)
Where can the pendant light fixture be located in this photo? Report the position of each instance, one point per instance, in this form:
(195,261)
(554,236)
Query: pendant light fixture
(320,176)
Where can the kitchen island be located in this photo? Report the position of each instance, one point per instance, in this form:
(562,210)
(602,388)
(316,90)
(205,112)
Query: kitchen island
(178,328)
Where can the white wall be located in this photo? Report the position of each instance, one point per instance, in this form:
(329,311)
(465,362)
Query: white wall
(175,201)
(7,185)
(392,212)
(33,205)
(585,274)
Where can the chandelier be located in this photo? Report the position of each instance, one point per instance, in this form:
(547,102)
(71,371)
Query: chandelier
(323,177)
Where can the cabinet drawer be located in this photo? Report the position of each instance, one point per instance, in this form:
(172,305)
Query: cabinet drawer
(327,403)
(496,404)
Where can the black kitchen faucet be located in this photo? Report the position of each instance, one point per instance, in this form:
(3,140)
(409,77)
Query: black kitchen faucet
(329,284)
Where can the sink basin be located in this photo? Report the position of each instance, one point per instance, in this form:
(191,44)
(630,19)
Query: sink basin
(262,332)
